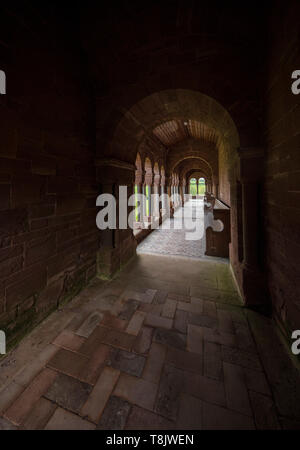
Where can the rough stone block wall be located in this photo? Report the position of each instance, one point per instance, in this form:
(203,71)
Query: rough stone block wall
(48,237)
(282,181)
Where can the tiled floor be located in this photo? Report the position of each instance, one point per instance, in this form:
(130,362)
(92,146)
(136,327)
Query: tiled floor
(166,345)
(183,235)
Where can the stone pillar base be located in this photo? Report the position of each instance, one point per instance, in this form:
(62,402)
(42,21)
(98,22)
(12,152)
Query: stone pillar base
(108,262)
(111,260)
(255,291)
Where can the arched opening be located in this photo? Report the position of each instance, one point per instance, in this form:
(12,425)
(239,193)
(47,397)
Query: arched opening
(201,186)
(191,132)
(148,189)
(138,190)
(193,187)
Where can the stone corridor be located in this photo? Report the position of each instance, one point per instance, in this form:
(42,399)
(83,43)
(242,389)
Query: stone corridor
(165,345)
(112,116)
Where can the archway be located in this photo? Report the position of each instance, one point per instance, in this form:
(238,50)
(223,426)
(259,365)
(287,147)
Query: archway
(169,122)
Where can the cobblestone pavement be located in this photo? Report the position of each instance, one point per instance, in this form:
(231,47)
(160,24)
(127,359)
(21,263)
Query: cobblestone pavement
(175,236)
(165,345)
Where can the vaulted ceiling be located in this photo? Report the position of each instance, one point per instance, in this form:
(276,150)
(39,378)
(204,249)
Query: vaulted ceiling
(174,131)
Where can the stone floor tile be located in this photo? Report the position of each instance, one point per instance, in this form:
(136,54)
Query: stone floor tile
(69,363)
(204,388)
(33,367)
(190,307)
(137,391)
(180,321)
(97,336)
(170,337)
(111,321)
(130,294)
(68,340)
(20,409)
(160,297)
(9,394)
(225,321)
(126,362)
(154,363)
(97,399)
(179,298)
(149,295)
(265,414)
(205,293)
(240,357)
(256,381)
(6,425)
(141,419)
(65,420)
(89,324)
(219,337)
(119,339)
(244,338)
(144,297)
(190,413)
(212,360)
(169,309)
(237,397)
(170,388)
(209,308)
(195,339)
(201,320)
(219,418)
(115,414)
(158,322)
(238,316)
(128,309)
(283,376)
(198,301)
(39,415)
(151,309)
(135,323)
(143,341)
(184,360)
(68,393)
(90,371)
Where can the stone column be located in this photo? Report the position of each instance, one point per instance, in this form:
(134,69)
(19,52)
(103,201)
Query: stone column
(118,245)
(250,176)
(181,193)
(215,186)
(168,190)
(156,192)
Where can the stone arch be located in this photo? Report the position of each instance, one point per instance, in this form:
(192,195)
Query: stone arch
(137,123)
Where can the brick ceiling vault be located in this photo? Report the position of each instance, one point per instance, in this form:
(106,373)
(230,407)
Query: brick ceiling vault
(156,125)
(174,131)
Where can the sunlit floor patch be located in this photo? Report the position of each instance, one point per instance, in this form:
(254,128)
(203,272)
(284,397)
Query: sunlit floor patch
(182,235)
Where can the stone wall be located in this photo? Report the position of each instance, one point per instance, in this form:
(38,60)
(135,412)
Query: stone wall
(48,238)
(282,171)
